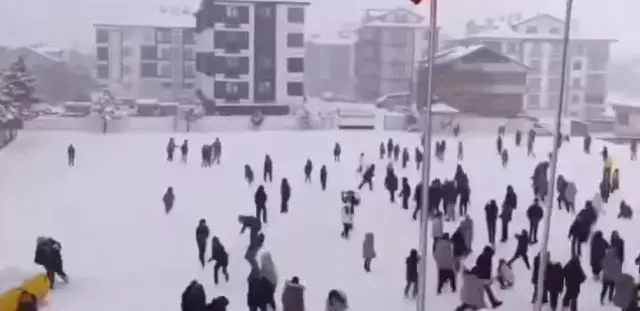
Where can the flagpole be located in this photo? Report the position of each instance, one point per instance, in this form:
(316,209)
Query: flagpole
(426,163)
(544,259)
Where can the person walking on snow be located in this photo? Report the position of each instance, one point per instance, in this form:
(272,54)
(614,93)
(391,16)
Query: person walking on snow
(168,199)
(491,216)
(405,193)
(522,249)
(221,257)
(443,255)
(171,148)
(368,251)
(337,151)
(285,195)
(184,151)
(308,168)
(534,214)
(202,236)
(267,173)
(323,177)
(412,273)
(71,155)
(260,199)
(347,220)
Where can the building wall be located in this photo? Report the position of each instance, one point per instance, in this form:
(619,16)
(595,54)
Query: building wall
(329,68)
(124,63)
(284,52)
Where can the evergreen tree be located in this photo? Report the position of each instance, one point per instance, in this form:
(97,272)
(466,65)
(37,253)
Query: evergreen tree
(17,85)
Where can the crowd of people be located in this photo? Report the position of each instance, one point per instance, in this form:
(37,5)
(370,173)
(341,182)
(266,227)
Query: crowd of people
(449,201)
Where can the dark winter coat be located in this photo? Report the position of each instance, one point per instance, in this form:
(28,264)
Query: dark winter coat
(459,245)
(217,147)
(308,168)
(436,194)
(194,297)
(506,214)
(391,181)
(202,234)
(535,213)
(248,172)
(491,211)
(48,254)
(218,252)
(579,230)
(535,270)
(510,199)
(256,295)
(337,150)
(285,190)
(412,266)
(323,174)
(218,304)
(406,189)
(260,197)
(251,222)
(523,243)
(554,281)
(168,200)
(618,243)
(449,192)
(369,173)
(598,248)
(293,297)
(573,275)
(443,254)
(611,266)
(484,263)
(417,195)
(268,164)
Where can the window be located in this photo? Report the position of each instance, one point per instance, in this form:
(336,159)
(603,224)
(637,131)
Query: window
(295,15)
(232,88)
(295,64)
(295,40)
(103,53)
(575,99)
(188,85)
(553,100)
(265,11)
(126,34)
(102,36)
(555,67)
(554,31)
(149,70)
(189,71)
(534,85)
(188,54)
(533,101)
(102,71)
(165,53)
(126,70)
(265,87)
(295,88)
(577,65)
(189,36)
(536,49)
(577,49)
(535,65)
(231,11)
(265,63)
(512,48)
(556,49)
(165,70)
(531,29)
(576,83)
(553,85)
(163,35)
(126,51)
(148,52)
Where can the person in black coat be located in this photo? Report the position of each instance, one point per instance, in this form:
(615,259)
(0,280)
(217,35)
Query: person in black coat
(367,177)
(206,155)
(417,198)
(598,248)
(391,184)
(194,297)
(184,151)
(337,151)
(285,195)
(405,157)
(251,222)
(618,244)
(436,195)
(534,280)
(464,191)
(504,156)
(219,303)
(171,148)
(202,236)
(586,144)
(418,157)
(382,151)
(405,193)
(518,138)
(49,255)
(256,295)
(71,155)
(522,249)
(215,151)
(499,144)
(534,214)
(260,199)
(308,168)
(389,148)
(221,257)
(168,199)
(267,172)
(561,186)
(412,273)
(491,216)
(578,233)
(396,153)
(449,196)
(573,278)
(554,283)
(323,177)
(248,174)
(484,269)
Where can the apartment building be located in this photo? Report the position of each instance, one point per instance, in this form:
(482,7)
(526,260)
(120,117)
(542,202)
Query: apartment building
(389,45)
(329,65)
(152,57)
(250,55)
(537,42)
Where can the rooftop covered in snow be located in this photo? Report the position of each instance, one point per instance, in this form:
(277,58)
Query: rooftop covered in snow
(459,52)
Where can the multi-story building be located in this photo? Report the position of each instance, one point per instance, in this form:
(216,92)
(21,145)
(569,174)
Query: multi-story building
(537,42)
(476,79)
(250,55)
(150,58)
(329,65)
(389,45)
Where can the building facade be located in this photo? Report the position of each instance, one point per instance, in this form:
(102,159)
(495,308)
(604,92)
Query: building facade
(147,58)
(476,79)
(250,55)
(389,45)
(537,42)
(330,66)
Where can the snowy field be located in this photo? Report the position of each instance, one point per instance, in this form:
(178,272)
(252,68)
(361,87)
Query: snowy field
(123,253)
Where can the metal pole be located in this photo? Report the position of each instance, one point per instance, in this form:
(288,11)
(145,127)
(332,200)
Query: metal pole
(544,259)
(426,163)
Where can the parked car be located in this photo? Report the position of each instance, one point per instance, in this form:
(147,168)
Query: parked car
(392,100)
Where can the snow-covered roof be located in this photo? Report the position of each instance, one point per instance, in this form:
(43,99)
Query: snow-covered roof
(169,19)
(55,54)
(341,38)
(443,108)
(374,18)
(505,31)
(458,52)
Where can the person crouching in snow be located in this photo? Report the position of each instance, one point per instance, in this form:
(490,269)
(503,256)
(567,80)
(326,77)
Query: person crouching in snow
(293,295)
(368,250)
(48,255)
(625,211)
(505,277)
(336,301)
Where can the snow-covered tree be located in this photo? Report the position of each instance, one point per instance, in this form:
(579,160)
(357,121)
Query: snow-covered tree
(17,85)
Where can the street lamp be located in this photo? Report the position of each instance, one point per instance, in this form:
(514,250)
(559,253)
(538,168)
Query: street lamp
(544,258)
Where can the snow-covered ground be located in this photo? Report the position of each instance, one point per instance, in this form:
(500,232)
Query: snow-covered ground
(123,253)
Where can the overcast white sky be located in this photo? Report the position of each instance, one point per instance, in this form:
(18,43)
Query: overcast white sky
(68,23)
